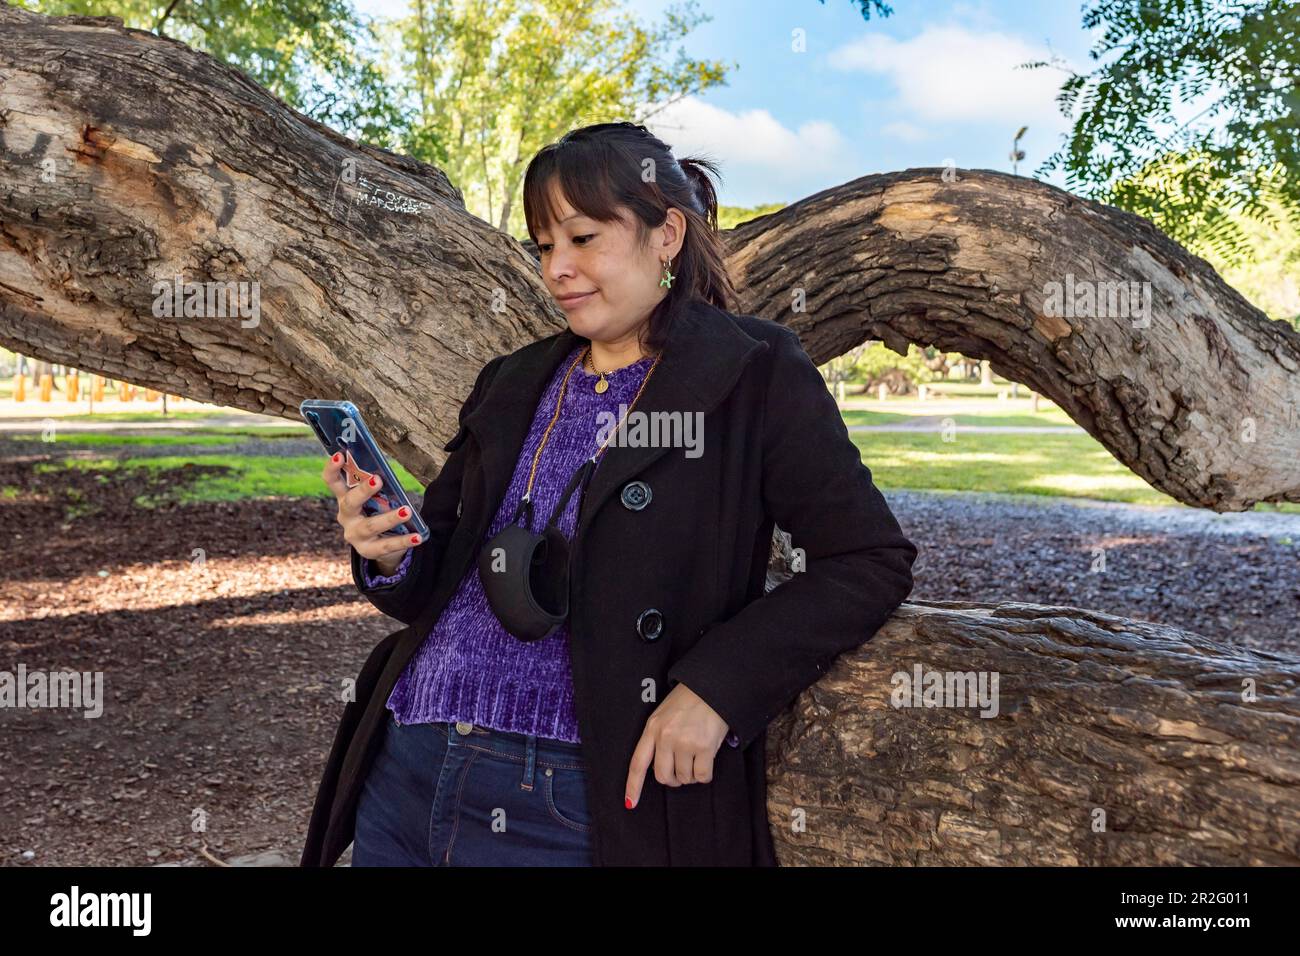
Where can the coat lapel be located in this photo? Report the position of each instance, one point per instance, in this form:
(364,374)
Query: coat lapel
(703,357)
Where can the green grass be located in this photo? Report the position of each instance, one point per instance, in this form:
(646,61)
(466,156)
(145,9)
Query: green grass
(237,477)
(1068,466)
(287,430)
(196,436)
(79,505)
(862,416)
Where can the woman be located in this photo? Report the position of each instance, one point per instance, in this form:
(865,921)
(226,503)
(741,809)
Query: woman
(633,732)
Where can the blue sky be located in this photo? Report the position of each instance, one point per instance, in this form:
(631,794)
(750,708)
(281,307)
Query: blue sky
(935,82)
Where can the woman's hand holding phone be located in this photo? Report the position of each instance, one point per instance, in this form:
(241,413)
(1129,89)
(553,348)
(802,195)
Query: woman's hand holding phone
(366,532)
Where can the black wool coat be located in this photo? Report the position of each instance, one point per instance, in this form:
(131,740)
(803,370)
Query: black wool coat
(694,556)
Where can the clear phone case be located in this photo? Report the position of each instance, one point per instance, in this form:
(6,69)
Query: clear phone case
(340,428)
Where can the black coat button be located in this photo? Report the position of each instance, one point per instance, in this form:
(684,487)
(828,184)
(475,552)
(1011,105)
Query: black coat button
(650,624)
(636,495)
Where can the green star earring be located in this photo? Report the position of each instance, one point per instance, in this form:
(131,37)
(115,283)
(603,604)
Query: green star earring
(668,277)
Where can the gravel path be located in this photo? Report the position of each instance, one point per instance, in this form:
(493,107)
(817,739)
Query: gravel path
(1234,577)
(1088,514)
(938,426)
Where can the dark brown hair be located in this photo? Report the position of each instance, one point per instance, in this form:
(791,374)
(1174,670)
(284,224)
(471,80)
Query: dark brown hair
(601,168)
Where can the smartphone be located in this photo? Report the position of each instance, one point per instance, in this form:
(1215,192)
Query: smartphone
(340,428)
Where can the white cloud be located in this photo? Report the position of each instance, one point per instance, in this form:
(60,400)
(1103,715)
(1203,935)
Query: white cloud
(953,73)
(753,138)
(760,158)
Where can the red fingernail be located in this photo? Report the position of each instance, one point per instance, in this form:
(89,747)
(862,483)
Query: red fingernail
(335,457)
(627,801)
(372,482)
(401,512)
(415,539)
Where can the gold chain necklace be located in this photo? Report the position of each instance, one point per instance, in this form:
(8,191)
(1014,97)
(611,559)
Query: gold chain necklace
(602,385)
(532,472)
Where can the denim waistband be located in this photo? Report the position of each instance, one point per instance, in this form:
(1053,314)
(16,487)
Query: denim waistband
(505,740)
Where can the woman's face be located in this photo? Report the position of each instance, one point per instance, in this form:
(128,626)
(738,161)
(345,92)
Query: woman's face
(606,284)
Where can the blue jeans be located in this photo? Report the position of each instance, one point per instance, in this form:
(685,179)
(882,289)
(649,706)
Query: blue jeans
(457,794)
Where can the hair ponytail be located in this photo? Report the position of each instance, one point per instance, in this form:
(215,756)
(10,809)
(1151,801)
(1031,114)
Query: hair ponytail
(697,172)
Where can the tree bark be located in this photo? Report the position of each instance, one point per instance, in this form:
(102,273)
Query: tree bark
(1200,397)
(128,159)
(1113,743)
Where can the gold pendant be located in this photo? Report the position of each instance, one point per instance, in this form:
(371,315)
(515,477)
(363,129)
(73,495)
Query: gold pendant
(602,386)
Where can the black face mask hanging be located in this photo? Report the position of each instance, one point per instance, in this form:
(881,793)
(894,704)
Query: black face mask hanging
(525,574)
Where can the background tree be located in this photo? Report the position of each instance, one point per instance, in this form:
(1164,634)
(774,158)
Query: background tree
(843,367)
(315,55)
(1237,64)
(493,81)
(1270,276)
(872,364)
(868,6)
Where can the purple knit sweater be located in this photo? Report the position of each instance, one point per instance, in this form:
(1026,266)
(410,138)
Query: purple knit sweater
(469,668)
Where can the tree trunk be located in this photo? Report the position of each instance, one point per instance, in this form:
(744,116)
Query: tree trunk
(1109,742)
(1113,743)
(1199,395)
(127,159)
